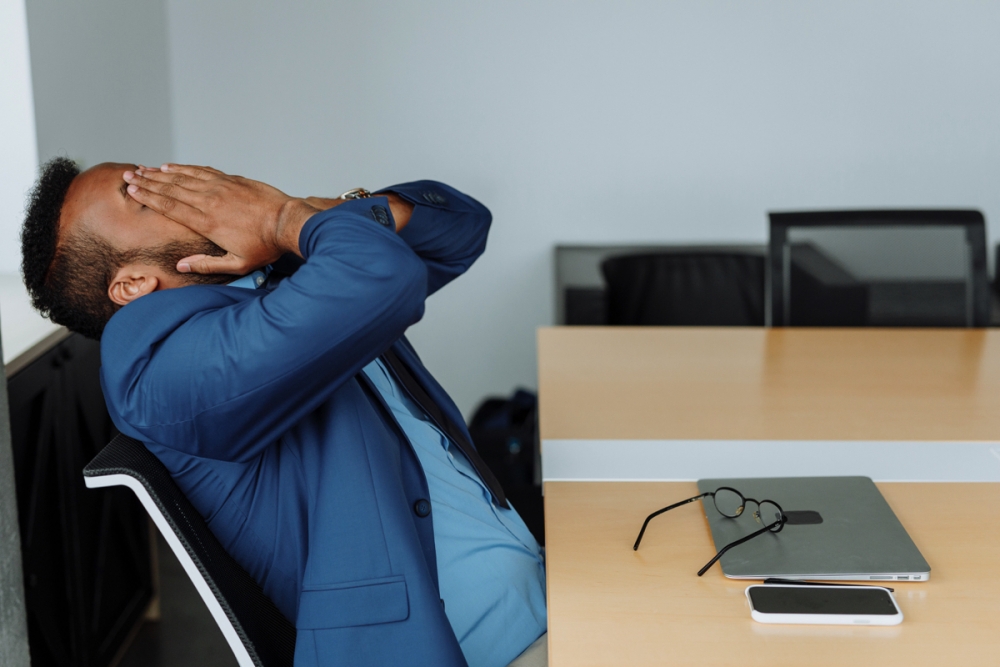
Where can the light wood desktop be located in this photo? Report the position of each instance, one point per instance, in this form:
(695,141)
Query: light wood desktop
(610,605)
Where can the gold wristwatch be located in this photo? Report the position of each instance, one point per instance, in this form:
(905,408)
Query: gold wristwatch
(356,193)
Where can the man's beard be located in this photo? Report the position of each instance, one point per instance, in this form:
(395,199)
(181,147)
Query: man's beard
(167,255)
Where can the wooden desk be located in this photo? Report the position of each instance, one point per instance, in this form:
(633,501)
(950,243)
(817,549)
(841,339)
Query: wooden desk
(609,605)
(780,384)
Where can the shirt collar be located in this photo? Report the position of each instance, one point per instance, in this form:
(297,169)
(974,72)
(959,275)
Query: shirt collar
(253,280)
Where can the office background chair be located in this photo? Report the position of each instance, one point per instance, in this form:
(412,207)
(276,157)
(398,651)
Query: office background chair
(685,287)
(581,290)
(878,268)
(258,634)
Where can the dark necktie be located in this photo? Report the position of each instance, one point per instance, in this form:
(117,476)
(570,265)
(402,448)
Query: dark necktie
(420,397)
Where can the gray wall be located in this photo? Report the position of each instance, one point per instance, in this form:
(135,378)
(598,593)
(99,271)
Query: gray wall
(101,83)
(13,623)
(634,121)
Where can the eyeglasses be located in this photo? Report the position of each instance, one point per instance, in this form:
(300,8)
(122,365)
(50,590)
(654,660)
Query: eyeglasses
(730,503)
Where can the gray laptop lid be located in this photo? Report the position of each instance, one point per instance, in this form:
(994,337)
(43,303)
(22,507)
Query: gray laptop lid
(859,536)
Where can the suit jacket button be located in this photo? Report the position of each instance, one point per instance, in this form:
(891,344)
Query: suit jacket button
(381,215)
(422,508)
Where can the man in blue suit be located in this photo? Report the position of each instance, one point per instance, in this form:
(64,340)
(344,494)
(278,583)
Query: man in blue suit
(281,394)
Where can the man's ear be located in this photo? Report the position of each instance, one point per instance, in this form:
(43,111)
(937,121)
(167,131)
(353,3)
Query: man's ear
(131,282)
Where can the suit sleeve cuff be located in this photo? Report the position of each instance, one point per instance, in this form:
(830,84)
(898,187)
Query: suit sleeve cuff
(373,211)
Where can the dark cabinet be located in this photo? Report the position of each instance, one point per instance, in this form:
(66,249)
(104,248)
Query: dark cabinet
(86,553)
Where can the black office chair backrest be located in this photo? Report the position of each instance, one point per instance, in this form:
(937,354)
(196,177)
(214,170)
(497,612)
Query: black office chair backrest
(256,630)
(692,288)
(878,268)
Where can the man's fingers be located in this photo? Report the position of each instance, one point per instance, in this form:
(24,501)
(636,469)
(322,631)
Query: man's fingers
(141,178)
(194,171)
(229,263)
(169,206)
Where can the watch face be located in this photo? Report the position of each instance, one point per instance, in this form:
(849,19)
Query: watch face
(356,193)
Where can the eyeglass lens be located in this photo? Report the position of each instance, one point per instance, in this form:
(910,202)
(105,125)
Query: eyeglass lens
(768,513)
(729,502)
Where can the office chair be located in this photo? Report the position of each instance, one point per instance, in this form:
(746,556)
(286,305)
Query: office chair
(258,634)
(878,268)
(685,287)
(996,269)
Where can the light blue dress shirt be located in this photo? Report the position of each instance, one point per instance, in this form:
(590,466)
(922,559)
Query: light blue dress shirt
(491,572)
(490,569)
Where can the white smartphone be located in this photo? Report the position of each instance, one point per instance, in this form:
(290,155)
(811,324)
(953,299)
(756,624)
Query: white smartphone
(823,605)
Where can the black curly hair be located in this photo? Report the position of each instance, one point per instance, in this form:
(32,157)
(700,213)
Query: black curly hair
(53,282)
(68,278)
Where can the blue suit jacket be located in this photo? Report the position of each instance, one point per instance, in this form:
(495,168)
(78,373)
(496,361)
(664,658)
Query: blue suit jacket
(253,401)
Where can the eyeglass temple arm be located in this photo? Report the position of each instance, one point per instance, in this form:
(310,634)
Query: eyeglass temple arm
(657,513)
(736,544)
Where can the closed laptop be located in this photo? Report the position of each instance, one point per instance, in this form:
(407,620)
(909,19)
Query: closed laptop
(839,528)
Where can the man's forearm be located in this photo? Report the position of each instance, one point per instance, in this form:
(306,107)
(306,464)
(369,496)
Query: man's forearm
(448,229)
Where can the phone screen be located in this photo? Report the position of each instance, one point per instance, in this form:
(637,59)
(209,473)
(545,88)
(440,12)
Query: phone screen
(817,600)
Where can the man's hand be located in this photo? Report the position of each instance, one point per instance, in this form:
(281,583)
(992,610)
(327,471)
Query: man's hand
(254,222)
